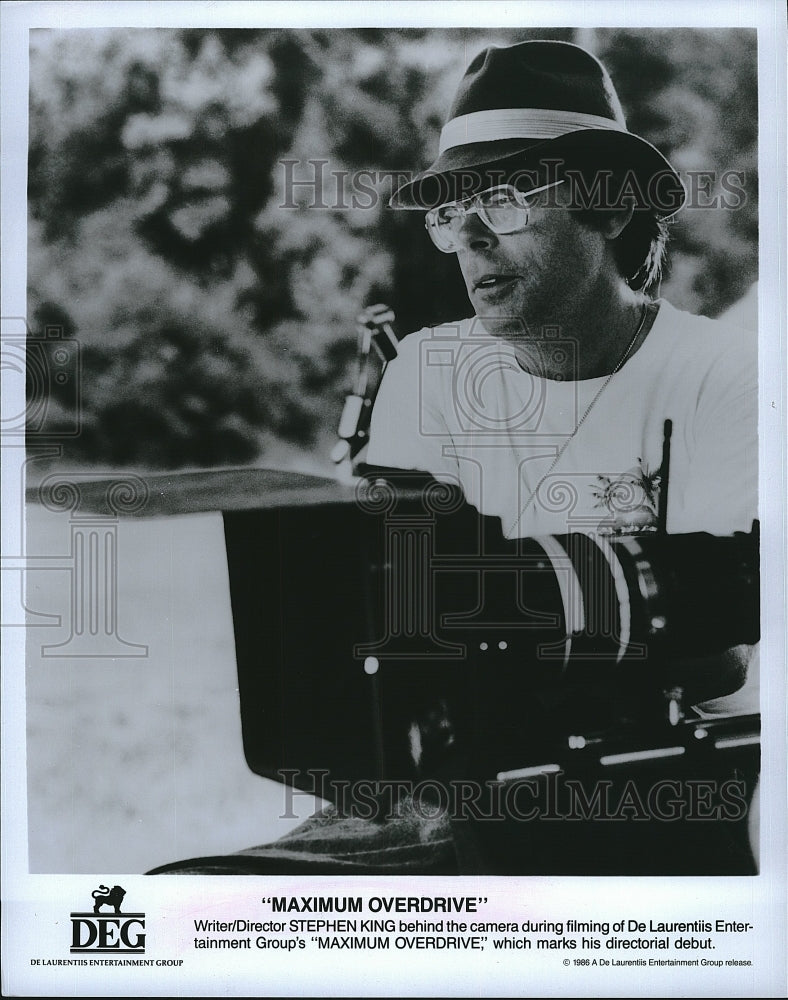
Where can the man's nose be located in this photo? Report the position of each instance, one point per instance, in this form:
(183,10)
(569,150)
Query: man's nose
(473,234)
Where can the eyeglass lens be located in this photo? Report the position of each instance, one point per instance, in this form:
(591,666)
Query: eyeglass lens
(503,210)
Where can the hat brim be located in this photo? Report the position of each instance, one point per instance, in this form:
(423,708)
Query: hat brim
(461,170)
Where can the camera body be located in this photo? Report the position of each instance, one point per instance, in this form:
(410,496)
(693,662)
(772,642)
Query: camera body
(405,618)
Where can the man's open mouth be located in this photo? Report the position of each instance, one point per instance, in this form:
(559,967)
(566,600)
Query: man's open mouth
(493,281)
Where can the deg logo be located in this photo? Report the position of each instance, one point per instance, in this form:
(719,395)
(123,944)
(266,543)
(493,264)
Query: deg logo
(113,932)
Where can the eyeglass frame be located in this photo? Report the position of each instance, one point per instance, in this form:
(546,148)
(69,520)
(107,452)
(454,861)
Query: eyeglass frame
(521,197)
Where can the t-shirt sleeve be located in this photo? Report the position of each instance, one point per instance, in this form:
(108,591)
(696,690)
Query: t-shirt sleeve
(408,429)
(722,489)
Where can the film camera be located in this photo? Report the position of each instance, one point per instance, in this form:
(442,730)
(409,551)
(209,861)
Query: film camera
(399,638)
(388,634)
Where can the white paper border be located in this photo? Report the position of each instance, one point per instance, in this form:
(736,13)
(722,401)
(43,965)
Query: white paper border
(33,904)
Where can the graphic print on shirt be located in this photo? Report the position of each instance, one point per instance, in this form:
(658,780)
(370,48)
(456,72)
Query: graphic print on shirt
(631,501)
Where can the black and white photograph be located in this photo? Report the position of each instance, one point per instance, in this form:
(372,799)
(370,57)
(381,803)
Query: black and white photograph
(394,482)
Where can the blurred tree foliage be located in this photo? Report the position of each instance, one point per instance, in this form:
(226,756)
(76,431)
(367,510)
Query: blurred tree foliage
(215,323)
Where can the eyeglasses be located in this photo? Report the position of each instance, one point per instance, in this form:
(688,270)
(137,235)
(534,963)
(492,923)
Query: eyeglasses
(503,209)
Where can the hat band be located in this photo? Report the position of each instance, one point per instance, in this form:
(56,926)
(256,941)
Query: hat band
(519,123)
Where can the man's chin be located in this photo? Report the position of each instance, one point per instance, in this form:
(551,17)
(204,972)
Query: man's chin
(505,327)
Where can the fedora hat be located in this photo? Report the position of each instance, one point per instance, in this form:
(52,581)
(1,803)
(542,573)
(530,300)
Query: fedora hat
(535,101)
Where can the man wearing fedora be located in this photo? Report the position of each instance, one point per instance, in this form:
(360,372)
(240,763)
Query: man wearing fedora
(554,406)
(575,399)
(571,367)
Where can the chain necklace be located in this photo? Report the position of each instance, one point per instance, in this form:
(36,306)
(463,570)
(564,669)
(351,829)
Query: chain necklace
(580,422)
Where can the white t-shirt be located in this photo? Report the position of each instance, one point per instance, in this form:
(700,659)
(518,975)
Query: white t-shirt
(549,456)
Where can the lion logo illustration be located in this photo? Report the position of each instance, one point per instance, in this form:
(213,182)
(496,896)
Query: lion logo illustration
(108,897)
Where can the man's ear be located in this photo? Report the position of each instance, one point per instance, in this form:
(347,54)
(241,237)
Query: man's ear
(616,222)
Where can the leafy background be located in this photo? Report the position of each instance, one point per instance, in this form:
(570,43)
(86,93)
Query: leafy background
(217,327)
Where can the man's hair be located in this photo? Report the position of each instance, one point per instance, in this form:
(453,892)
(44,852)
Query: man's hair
(641,248)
